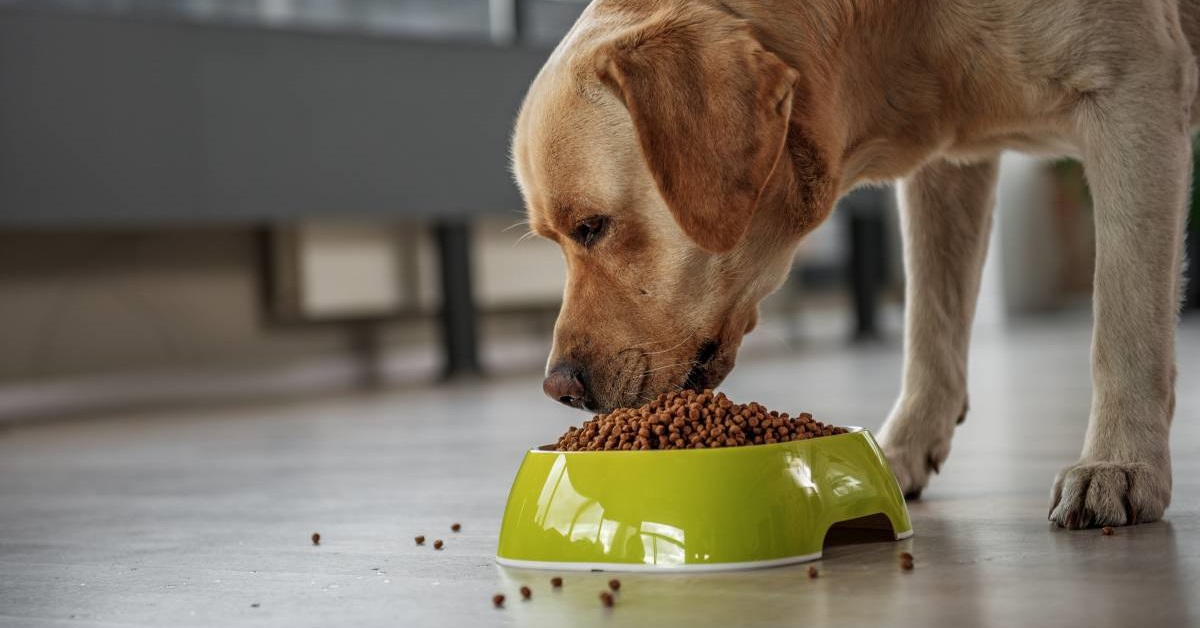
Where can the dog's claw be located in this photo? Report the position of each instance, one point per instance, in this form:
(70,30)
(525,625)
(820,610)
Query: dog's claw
(913,452)
(1094,494)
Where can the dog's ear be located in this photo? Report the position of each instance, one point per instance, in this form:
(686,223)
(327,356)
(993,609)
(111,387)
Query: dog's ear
(711,109)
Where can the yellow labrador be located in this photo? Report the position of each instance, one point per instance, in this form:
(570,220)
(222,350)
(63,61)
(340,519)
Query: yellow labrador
(678,150)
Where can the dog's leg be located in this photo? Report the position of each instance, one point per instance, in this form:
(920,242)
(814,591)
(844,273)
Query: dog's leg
(946,215)
(1138,159)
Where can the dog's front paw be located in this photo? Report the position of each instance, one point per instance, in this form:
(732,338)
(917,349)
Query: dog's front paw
(1091,494)
(913,456)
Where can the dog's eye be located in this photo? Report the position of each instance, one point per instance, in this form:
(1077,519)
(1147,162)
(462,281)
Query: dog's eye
(589,230)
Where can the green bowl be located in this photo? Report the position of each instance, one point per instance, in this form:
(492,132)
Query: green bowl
(696,509)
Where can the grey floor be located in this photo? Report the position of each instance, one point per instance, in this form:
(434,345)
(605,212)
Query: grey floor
(201,517)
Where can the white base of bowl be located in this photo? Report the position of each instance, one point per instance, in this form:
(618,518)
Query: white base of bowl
(644,568)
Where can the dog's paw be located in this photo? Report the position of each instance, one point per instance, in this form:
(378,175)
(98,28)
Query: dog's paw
(1093,494)
(913,457)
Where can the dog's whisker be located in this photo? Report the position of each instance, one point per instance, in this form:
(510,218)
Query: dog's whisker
(689,363)
(677,345)
(646,342)
(525,236)
(519,223)
(654,342)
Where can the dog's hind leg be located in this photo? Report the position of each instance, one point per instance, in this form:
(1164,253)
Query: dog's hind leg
(946,215)
(1138,158)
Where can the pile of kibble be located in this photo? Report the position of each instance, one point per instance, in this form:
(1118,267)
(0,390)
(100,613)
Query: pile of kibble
(688,419)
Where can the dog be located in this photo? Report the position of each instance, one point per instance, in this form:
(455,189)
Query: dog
(678,150)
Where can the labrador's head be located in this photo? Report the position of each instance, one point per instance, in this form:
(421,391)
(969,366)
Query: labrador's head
(675,161)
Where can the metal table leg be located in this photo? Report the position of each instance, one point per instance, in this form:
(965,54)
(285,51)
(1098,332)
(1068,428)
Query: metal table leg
(867,258)
(458,315)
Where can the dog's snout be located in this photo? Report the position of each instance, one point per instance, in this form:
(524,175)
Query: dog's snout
(565,384)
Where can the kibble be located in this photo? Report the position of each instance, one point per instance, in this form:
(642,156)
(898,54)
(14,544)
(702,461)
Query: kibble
(526,593)
(455,527)
(498,600)
(813,573)
(1106,531)
(437,545)
(420,539)
(316,538)
(688,419)
(606,598)
(614,584)
(906,562)
(556,582)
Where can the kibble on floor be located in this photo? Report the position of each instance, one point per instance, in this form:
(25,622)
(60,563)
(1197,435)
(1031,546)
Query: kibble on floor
(316,538)
(498,600)
(85,529)
(420,539)
(526,593)
(556,582)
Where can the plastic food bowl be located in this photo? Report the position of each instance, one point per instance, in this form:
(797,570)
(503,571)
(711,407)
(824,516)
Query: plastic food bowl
(696,509)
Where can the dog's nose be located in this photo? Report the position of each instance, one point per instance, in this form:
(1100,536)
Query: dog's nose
(565,384)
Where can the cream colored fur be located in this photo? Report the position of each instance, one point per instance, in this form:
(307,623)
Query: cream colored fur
(928,93)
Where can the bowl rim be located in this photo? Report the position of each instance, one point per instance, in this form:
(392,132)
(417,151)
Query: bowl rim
(549,448)
(617,567)
(647,568)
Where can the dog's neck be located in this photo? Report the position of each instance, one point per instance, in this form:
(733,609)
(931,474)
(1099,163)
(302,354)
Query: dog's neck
(888,58)
(879,55)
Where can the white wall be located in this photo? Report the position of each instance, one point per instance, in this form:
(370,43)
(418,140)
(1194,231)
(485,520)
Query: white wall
(80,302)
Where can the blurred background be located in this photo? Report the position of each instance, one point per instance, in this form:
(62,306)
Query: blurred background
(204,200)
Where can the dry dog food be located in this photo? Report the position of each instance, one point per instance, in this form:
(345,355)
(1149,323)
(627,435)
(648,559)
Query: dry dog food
(606,598)
(455,527)
(437,545)
(498,600)
(906,561)
(419,539)
(812,572)
(316,538)
(556,582)
(526,593)
(614,584)
(1106,531)
(691,420)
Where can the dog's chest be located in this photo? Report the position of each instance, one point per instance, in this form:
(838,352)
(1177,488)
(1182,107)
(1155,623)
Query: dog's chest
(1039,142)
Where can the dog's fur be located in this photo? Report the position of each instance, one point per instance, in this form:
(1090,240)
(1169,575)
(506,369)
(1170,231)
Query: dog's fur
(711,135)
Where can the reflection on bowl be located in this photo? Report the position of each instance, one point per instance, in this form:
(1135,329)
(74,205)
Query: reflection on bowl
(695,509)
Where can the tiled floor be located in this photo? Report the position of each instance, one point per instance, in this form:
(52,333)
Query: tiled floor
(201,517)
